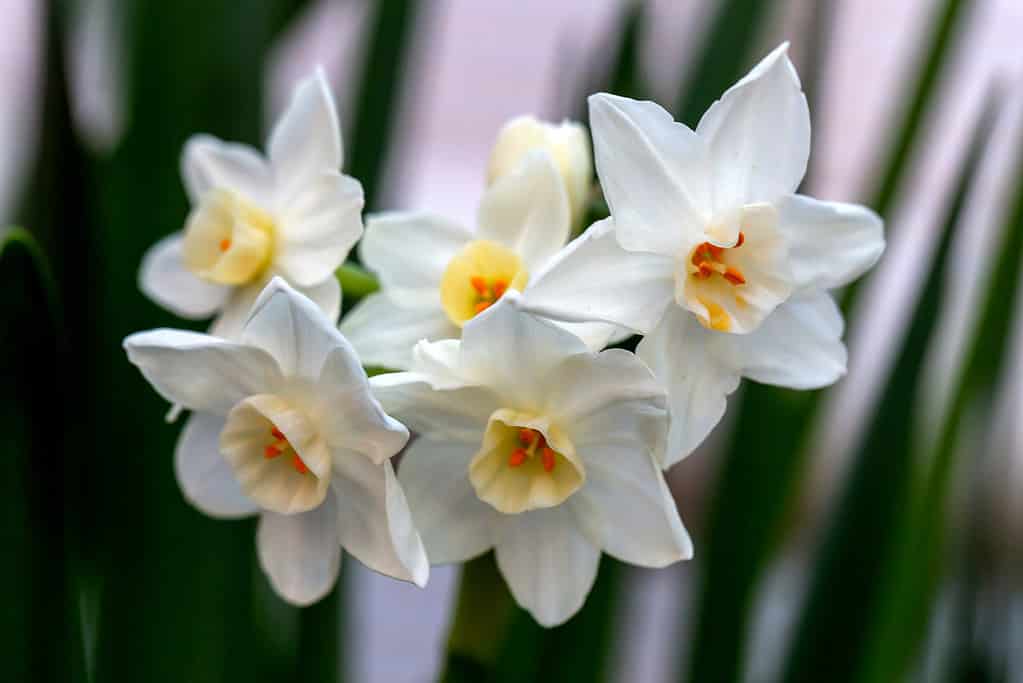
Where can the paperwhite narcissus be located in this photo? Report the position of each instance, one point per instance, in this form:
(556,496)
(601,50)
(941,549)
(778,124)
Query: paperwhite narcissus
(709,253)
(284,424)
(293,214)
(531,444)
(436,275)
(567,144)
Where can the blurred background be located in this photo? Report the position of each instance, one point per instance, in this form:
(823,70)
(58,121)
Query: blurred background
(870,532)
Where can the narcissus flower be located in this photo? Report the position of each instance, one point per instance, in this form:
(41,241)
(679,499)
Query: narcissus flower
(292,214)
(284,424)
(436,275)
(567,144)
(710,253)
(535,446)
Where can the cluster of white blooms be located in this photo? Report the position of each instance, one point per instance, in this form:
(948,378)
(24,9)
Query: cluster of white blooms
(529,438)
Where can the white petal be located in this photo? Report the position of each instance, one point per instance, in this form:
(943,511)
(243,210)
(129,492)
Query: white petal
(626,507)
(514,351)
(830,244)
(597,335)
(454,523)
(206,479)
(595,279)
(652,170)
(452,414)
(327,297)
(528,211)
(352,418)
(698,378)
(236,311)
(374,523)
(203,373)
(409,252)
(300,553)
(306,140)
(759,135)
(164,279)
(798,346)
(615,380)
(385,333)
(208,163)
(548,563)
(293,330)
(318,227)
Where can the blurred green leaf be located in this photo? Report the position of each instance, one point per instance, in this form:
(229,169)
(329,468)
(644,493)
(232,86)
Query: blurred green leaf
(949,17)
(937,52)
(910,592)
(860,541)
(356,283)
(41,625)
(727,48)
(384,75)
(177,599)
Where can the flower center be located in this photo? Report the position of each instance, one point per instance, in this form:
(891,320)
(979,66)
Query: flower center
(708,260)
(228,240)
(477,276)
(281,446)
(524,463)
(709,264)
(277,453)
(532,442)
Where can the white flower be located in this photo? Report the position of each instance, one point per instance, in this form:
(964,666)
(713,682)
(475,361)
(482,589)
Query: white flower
(709,252)
(284,424)
(435,275)
(292,214)
(535,446)
(567,144)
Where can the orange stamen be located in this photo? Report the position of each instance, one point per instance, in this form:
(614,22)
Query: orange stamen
(500,287)
(479,284)
(526,436)
(738,242)
(734,276)
(299,465)
(225,244)
(271,452)
(547,455)
(517,457)
(482,306)
(277,434)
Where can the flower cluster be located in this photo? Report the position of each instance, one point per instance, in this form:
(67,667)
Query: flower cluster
(529,437)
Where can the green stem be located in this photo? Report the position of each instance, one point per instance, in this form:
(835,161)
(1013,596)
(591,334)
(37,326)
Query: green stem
(356,282)
(483,613)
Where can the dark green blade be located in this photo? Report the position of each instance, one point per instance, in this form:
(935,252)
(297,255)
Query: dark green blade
(41,624)
(177,588)
(909,596)
(727,49)
(384,76)
(937,52)
(833,630)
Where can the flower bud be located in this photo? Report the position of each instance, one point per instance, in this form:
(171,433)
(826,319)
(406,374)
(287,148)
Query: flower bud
(566,143)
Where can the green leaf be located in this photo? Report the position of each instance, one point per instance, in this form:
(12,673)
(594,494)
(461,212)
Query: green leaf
(727,49)
(860,541)
(934,59)
(385,69)
(915,577)
(356,283)
(177,599)
(41,626)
